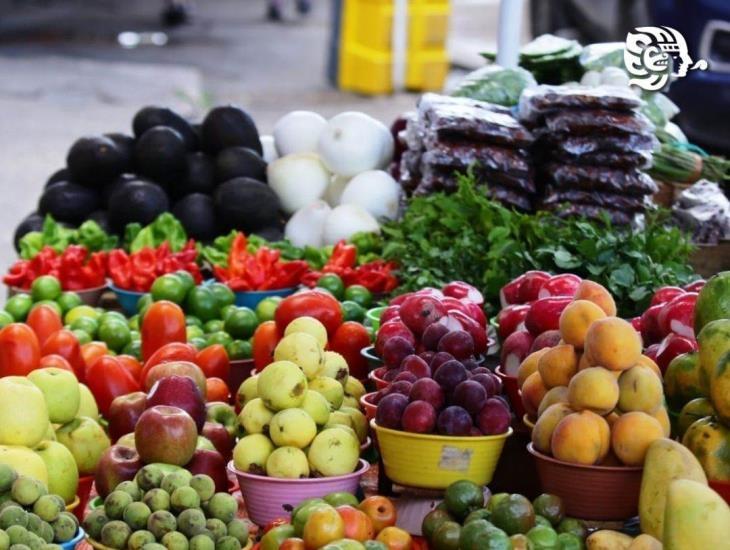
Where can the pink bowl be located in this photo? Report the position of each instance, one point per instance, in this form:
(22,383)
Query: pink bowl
(367,406)
(268,498)
(377,377)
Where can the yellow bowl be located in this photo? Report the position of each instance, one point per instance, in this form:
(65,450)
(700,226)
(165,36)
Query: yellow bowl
(436,461)
(71,507)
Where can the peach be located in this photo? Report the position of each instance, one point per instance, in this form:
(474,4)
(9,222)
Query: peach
(640,390)
(529,365)
(632,434)
(557,365)
(604,431)
(611,418)
(649,362)
(558,394)
(545,425)
(613,343)
(576,319)
(596,293)
(594,389)
(662,416)
(578,439)
(584,362)
(533,390)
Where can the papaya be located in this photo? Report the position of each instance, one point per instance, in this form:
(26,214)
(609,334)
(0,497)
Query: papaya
(713,301)
(692,412)
(605,539)
(714,342)
(695,517)
(665,461)
(683,380)
(720,389)
(709,441)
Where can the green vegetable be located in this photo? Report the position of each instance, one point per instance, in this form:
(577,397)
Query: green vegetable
(465,236)
(495,84)
(93,237)
(682,162)
(58,237)
(598,56)
(166,227)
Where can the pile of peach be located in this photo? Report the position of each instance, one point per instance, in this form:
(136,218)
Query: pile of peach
(597,399)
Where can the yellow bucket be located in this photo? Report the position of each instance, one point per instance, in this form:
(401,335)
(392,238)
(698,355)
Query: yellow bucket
(527,421)
(436,461)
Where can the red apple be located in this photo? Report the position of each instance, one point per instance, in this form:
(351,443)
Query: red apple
(672,346)
(116,464)
(514,350)
(124,412)
(678,315)
(548,339)
(219,437)
(651,332)
(181,392)
(531,285)
(560,285)
(665,294)
(545,314)
(210,463)
(166,434)
(510,318)
(179,368)
(510,293)
(462,290)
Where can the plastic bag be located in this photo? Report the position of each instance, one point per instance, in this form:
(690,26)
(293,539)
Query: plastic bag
(617,217)
(598,56)
(597,121)
(463,155)
(626,160)
(495,84)
(540,100)
(598,178)
(617,201)
(580,145)
(523,184)
(704,210)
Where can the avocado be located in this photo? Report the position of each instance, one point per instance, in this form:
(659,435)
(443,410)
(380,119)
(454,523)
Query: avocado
(198,176)
(246,204)
(229,126)
(32,222)
(151,116)
(239,162)
(160,154)
(109,188)
(102,218)
(57,176)
(136,201)
(271,233)
(69,202)
(94,161)
(125,144)
(197,214)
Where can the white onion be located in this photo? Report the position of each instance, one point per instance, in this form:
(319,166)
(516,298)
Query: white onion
(346,220)
(298,132)
(305,227)
(376,191)
(298,180)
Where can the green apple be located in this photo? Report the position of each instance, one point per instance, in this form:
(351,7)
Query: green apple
(292,427)
(334,452)
(87,403)
(287,462)
(61,390)
(86,440)
(340,418)
(316,406)
(25,462)
(330,388)
(247,391)
(282,385)
(23,412)
(255,417)
(63,475)
(335,367)
(354,388)
(251,453)
(359,422)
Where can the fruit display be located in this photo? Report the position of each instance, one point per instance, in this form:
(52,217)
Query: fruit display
(44,289)
(31,515)
(168,510)
(295,416)
(464,521)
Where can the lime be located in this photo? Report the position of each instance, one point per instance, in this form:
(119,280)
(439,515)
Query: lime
(241,323)
(227,310)
(202,303)
(5,318)
(223,295)
(169,287)
(199,343)
(45,287)
(187,279)
(193,331)
(133,322)
(550,507)
(332,283)
(359,294)
(542,520)
(134,348)
(521,542)
(109,315)
(115,334)
(352,311)
(543,538)
(463,497)
(474,534)
(573,526)
(135,335)
(68,301)
(568,541)
(144,302)
(481,513)
(446,537)
(267,307)
(82,336)
(87,324)
(215,325)
(50,303)
(81,311)
(239,349)
(193,321)
(18,306)
(219,337)
(514,514)
(433,521)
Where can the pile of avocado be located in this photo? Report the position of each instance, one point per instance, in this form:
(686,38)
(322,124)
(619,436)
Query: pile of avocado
(507,521)
(210,175)
(30,518)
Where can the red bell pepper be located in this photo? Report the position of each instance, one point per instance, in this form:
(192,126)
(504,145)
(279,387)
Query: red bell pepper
(75,268)
(137,271)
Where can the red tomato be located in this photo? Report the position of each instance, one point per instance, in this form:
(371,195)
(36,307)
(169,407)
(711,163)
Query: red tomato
(163,323)
(265,338)
(19,350)
(131,364)
(64,343)
(91,352)
(349,339)
(107,378)
(313,303)
(213,361)
(217,390)
(44,320)
(174,351)
(54,360)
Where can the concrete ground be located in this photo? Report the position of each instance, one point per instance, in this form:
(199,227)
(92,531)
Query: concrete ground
(65,75)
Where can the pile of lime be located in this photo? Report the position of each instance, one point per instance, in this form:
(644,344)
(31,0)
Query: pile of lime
(506,521)
(46,289)
(354,299)
(174,511)
(30,518)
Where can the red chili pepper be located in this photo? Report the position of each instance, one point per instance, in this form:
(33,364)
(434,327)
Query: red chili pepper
(343,255)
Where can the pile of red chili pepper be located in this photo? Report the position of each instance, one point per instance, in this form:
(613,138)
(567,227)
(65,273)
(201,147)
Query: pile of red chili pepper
(377,276)
(137,271)
(260,270)
(75,268)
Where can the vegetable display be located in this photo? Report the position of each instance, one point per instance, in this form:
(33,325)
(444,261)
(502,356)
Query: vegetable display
(138,270)
(75,268)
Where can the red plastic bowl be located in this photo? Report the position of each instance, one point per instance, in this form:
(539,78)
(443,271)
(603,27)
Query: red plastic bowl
(367,406)
(602,493)
(722,488)
(512,389)
(377,377)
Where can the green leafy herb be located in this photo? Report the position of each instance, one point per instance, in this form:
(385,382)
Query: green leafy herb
(55,235)
(165,227)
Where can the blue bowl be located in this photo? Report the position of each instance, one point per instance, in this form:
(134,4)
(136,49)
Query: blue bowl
(252,299)
(127,299)
(74,542)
